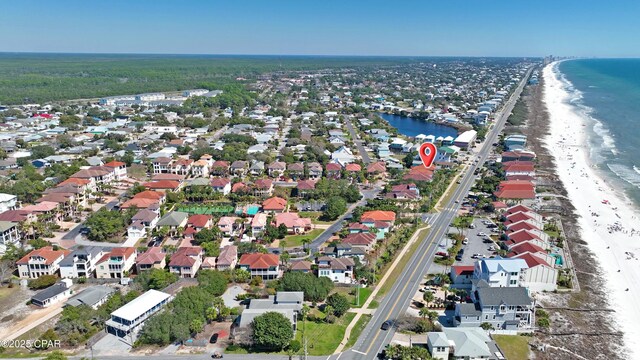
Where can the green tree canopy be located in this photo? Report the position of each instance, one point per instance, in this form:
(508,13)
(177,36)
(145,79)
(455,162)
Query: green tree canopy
(272,331)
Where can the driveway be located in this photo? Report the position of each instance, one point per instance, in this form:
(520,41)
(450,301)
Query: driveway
(229,296)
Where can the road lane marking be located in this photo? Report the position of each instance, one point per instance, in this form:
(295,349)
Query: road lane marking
(359,352)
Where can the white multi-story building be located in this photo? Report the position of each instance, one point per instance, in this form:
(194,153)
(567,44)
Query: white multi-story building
(499,272)
(81,262)
(8,202)
(116,264)
(129,317)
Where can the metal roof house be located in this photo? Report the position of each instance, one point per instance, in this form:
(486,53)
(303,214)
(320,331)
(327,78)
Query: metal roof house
(129,317)
(92,297)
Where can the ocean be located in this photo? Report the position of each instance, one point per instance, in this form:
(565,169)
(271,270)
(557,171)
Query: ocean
(411,127)
(606,92)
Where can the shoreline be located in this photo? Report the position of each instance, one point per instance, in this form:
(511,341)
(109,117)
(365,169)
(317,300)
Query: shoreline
(608,224)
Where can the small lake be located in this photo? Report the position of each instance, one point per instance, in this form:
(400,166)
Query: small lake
(411,127)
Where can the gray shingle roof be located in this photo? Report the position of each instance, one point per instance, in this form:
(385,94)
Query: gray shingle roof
(51,291)
(508,295)
(90,296)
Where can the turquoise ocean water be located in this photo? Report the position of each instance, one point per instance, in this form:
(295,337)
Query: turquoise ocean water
(607,92)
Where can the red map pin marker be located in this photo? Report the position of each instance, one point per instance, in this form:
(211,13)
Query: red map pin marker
(428,153)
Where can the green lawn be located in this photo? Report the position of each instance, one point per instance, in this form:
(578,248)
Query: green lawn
(296,240)
(314,215)
(515,347)
(323,338)
(364,295)
(357,330)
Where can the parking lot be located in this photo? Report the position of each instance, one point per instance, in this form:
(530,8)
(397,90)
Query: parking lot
(476,244)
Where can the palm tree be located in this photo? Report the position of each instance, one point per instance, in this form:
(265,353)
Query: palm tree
(305,242)
(424,312)
(427,297)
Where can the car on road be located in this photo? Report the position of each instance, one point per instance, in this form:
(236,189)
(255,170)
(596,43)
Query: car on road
(387,325)
(482,234)
(84,230)
(216,355)
(457,201)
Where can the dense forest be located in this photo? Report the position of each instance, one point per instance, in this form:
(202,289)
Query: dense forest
(50,77)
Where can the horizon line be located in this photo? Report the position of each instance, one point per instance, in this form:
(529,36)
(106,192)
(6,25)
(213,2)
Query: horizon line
(283,55)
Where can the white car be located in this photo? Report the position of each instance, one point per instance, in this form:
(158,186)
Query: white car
(465,241)
(482,234)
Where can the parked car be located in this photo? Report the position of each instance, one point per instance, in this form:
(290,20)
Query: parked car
(482,234)
(387,325)
(442,253)
(472,226)
(465,241)
(85,230)
(487,240)
(216,355)
(214,338)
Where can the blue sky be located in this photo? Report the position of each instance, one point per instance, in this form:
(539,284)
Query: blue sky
(324,27)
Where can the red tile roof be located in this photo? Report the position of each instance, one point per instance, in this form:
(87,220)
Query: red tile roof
(149,194)
(199,221)
(353,167)
(379,215)
(377,167)
(524,248)
(462,269)
(162,184)
(259,261)
(532,260)
(220,182)
(335,167)
(14,215)
(419,173)
(274,203)
(359,239)
(306,185)
(263,184)
(115,164)
(516,189)
(47,253)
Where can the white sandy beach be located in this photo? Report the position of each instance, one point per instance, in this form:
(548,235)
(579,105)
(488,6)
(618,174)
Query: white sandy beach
(609,222)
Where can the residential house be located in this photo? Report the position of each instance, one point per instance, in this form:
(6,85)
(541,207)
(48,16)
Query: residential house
(200,221)
(174,220)
(305,187)
(505,308)
(239,168)
(9,235)
(276,169)
(404,192)
(92,297)
(461,276)
(294,223)
(340,270)
(220,168)
(53,294)
(376,169)
(315,170)
(80,263)
(499,272)
(8,202)
(287,303)
(258,224)
(186,261)
(221,185)
(274,205)
(153,258)
(228,258)
(296,170)
(263,265)
(366,241)
(256,168)
(263,187)
(161,165)
(229,226)
(128,318)
(334,170)
(181,166)
(200,168)
(119,169)
(117,263)
(300,266)
(39,262)
(460,344)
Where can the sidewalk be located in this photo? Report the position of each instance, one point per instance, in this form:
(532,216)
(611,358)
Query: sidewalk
(364,309)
